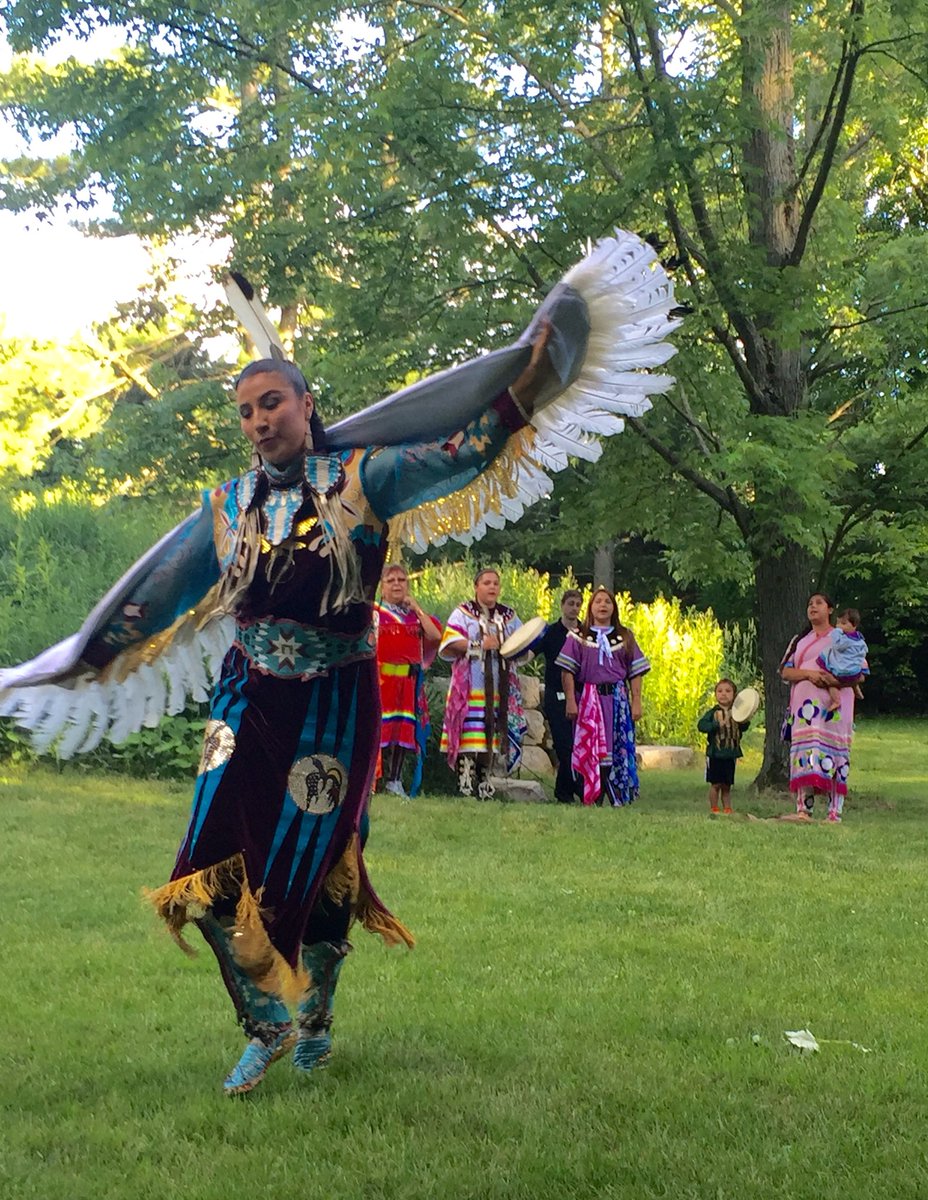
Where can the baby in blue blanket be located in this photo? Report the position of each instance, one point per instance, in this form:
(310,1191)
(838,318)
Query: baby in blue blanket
(845,655)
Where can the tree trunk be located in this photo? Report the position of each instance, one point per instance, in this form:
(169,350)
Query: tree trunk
(604,566)
(783,583)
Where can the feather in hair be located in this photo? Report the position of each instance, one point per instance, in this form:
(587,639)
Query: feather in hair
(254,320)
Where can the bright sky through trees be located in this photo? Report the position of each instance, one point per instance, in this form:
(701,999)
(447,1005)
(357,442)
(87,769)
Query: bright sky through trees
(58,280)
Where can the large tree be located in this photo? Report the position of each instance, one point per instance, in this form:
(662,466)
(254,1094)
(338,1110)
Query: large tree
(409,183)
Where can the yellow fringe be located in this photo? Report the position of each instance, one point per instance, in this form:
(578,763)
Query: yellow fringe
(459,512)
(185,899)
(130,659)
(345,880)
(376,920)
(259,958)
(345,877)
(188,898)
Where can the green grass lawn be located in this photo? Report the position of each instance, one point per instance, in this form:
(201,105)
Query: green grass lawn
(595,1008)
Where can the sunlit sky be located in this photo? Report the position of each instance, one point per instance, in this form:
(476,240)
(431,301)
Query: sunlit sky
(57,281)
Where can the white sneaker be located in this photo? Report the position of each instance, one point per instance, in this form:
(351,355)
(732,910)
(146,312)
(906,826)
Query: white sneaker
(395,788)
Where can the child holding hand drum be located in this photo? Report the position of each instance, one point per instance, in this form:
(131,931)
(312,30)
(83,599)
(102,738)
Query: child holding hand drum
(724,724)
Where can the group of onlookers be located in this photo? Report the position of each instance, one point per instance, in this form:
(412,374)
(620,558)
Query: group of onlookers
(592,697)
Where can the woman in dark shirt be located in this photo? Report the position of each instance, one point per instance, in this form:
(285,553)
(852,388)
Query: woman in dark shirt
(567,786)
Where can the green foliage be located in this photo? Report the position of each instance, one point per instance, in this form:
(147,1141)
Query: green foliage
(684,647)
(49,391)
(685,651)
(739,657)
(15,746)
(59,552)
(409,186)
(171,751)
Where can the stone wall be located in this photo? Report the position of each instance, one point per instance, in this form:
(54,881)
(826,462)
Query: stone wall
(536,759)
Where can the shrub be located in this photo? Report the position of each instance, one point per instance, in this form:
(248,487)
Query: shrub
(685,651)
(685,647)
(740,661)
(59,552)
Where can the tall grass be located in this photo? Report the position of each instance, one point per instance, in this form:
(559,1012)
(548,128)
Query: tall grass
(740,660)
(59,552)
(685,651)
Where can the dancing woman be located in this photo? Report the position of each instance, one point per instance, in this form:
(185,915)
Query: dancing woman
(271,585)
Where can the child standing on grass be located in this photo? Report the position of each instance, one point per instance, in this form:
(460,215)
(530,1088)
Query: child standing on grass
(723,747)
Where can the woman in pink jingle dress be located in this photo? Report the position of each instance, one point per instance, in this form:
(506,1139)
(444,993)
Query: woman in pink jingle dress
(820,737)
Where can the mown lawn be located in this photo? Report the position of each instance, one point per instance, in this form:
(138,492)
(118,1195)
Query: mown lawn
(595,1008)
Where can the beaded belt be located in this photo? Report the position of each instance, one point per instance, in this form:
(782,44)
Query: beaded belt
(290,650)
(605,689)
(395,669)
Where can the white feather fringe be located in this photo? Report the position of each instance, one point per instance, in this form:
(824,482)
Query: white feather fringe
(74,718)
(629,298)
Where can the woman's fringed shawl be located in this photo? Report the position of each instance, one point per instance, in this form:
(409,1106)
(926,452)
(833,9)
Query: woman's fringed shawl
(456,707)
(495,714)
(189,898)
(590,745)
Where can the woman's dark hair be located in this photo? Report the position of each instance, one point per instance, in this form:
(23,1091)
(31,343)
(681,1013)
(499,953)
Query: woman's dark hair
(624,632)
(297,380)
(808,629)
(485,571)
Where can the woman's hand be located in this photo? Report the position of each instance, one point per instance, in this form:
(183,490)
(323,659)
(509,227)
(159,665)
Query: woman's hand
(490,641)
(570,708)
(539,369)
(819,678)
(636,709)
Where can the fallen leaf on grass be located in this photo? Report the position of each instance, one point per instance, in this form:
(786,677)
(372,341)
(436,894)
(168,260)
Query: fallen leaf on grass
(803,1039)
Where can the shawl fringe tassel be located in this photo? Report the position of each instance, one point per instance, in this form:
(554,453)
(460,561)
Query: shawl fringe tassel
(189,898)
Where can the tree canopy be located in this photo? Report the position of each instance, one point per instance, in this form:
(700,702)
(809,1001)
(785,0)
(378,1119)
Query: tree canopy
(409,178)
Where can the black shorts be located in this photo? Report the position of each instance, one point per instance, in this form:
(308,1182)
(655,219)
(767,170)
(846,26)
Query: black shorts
(720,770)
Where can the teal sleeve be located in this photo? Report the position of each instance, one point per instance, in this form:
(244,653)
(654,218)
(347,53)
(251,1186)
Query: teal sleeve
(169,581)
(706,723)
(398,478)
